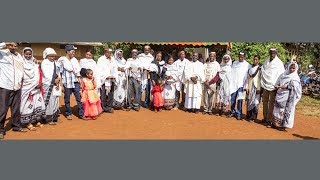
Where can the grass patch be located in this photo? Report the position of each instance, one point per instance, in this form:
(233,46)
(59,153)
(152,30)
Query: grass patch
(309,106)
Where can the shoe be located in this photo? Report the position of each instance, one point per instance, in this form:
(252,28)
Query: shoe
(94,118)
(136,109)
(282,129)
(204,113)
(84,118)
(52,123)
(239,118)
(20,130)
(230,116)
(1,136)
(210,113)
(69,117)
(109,111)
(269,125)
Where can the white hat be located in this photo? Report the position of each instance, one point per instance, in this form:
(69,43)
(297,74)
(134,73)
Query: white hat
(273,50)
(48,51)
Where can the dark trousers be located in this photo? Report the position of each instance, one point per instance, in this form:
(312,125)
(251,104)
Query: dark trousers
(134,92)
(106,100)
(177,97)
(67,94)
(140,95)
(268,104)
(10,98)
(253,113)
(147,98)
(236,112)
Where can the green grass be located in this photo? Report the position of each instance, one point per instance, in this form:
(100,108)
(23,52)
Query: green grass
(309,106)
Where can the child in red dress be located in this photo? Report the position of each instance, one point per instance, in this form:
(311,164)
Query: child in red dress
(89,97)
(158,101)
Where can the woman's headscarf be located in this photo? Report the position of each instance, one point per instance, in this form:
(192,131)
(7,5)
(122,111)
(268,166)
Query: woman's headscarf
(121,61)
(222,64)
(28,64)
(293,78)
(48,51)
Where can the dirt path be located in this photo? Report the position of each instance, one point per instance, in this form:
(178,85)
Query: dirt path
(167,125)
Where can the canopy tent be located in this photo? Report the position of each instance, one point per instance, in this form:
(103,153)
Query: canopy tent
(226,45)
(174,47)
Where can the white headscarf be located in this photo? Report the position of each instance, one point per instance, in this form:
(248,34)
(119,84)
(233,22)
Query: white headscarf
(28,64)
(222,64)
(120,62)
(48,51)
(225,67)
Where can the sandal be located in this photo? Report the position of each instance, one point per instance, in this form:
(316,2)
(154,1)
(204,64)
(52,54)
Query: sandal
(52,123)
(94,118)
(39,124)
(31,127)
(20,130)
(85,118)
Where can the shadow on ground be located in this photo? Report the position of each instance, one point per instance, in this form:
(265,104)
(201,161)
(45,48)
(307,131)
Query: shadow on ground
(305,137)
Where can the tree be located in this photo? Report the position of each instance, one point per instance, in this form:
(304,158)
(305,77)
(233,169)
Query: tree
(254,48)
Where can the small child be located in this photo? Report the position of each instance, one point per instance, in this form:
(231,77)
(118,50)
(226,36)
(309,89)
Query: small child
(89,97)
(158,101)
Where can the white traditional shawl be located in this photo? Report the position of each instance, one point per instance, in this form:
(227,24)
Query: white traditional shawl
(146,62)
(270,72)
(107,68)
(239,74)
(91,64)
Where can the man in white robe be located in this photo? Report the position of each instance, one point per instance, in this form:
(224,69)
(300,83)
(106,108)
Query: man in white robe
(211,69)
(146,58)
(134,68)
(193,79)
(239,73)
(180,65)
(271,70)
(11,75)
(107,69)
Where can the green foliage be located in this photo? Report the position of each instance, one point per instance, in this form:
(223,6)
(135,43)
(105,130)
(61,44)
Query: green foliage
(99,51)
(262,49)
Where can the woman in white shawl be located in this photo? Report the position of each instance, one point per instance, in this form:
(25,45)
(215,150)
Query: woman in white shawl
(51,85)
(120,90)
(253,89)
(32,104)
(223,89)
(171,79)
(288,95)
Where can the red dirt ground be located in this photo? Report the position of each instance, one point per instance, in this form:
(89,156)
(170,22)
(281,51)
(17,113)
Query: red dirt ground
(167,125)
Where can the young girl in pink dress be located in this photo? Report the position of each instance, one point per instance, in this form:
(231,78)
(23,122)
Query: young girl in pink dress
(89,97)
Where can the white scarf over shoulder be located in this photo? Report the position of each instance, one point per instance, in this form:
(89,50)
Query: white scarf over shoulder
(270,72)
(239,72)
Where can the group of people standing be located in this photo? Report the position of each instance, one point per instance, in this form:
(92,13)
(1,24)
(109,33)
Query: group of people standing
(32,90)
